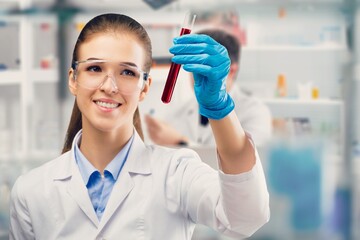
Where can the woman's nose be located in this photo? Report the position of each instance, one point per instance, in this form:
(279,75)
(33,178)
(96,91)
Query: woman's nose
(109,85)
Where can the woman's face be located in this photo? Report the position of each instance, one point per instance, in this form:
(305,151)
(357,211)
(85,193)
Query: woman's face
(105,108)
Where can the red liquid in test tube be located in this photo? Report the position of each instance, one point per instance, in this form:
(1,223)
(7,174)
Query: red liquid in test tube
(175,68)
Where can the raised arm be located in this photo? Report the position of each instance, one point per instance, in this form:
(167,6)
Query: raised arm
(209,62)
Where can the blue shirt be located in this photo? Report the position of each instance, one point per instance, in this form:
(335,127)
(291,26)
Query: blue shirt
(100,186)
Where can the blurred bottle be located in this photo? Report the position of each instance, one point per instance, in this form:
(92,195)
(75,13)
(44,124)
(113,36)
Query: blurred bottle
(281,88)
(315,93)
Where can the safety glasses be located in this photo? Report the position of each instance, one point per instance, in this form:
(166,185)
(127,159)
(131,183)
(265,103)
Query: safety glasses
(125,78)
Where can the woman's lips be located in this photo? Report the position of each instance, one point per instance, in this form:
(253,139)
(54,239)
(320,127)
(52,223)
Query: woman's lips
(107,104)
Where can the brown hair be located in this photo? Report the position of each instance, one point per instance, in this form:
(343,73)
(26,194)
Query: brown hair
(104,23)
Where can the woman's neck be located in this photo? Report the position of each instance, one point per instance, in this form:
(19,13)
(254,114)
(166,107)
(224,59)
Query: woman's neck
(100,147)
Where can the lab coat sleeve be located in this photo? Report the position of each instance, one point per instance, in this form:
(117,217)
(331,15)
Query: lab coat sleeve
(20,223)
(245,201)
(234,205)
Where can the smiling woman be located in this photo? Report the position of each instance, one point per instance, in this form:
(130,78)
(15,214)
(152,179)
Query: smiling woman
(101,51)
(108,183)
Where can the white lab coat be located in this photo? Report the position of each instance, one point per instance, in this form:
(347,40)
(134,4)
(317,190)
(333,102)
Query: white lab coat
(160,194)
(254,116)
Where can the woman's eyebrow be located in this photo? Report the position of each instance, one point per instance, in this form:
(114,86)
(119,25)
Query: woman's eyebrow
(93,58)
(130,64)
(120,62)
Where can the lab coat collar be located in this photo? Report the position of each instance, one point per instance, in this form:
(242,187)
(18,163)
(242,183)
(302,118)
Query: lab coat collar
(68,172)
(64,170)
(139,157)
(138,162)
(78,191)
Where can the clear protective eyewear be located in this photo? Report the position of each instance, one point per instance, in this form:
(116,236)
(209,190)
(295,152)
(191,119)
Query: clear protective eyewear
(125,78)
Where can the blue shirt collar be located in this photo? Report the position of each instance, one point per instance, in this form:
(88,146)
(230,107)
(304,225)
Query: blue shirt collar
(86,168)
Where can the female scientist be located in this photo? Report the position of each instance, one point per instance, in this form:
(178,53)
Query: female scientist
(108,184)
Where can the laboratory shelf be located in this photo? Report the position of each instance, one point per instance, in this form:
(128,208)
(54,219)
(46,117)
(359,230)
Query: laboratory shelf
(320,113)
(295,48)
(10,77)
(30,61)
(304,102)
(45,76)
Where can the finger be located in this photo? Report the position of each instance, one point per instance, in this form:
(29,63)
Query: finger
(194,38)
(204,59)
(197,48)
(198,69)
(218,72)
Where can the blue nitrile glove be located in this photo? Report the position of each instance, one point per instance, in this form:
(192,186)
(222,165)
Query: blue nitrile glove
(210,64)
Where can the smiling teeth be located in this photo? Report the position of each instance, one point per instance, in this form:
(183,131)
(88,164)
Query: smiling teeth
(107,105)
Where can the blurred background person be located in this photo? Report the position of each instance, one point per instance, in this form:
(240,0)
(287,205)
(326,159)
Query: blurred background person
(187,127)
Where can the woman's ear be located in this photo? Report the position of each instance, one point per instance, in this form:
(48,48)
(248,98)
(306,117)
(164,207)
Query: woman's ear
(72,82)
(145,89)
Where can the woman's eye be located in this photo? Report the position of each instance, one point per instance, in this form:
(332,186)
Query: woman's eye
(93,69)
(128,72)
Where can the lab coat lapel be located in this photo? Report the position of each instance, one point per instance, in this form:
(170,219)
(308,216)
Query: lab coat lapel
(138,162)
(121,190)
(78,191)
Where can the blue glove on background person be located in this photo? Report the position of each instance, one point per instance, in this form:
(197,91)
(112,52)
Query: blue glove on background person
(210,64)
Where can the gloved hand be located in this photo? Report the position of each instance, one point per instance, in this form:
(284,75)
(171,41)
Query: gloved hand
(210,64)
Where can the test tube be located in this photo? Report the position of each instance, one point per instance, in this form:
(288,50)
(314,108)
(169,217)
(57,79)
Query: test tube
(175,68)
